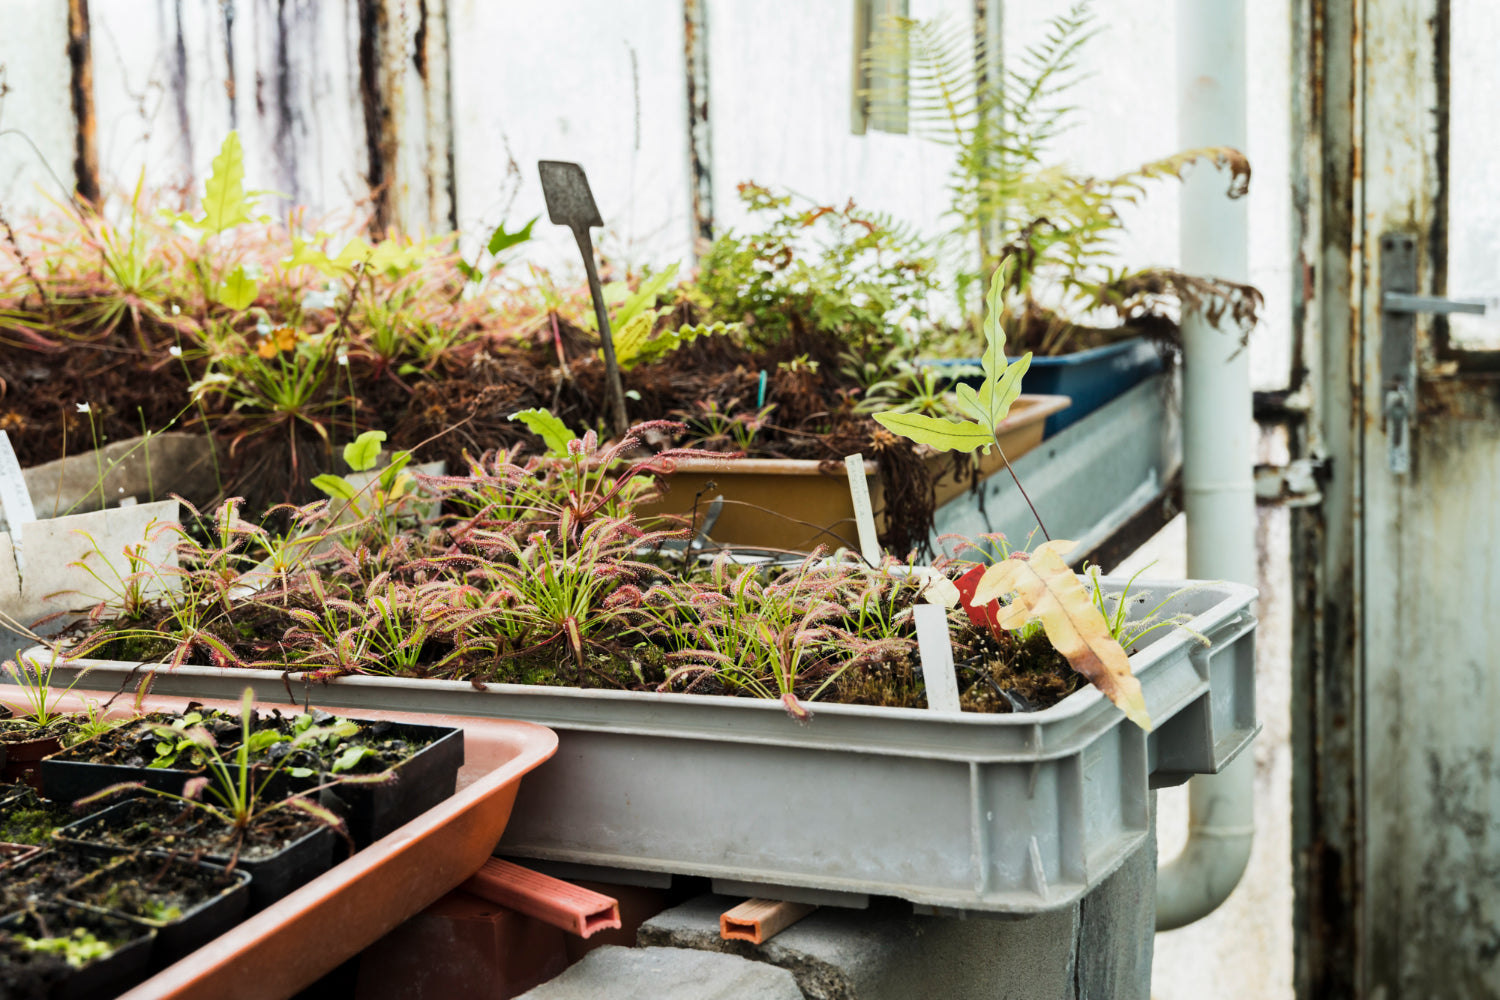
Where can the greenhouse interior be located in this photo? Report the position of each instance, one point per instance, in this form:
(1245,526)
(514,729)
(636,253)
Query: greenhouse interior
(460,459)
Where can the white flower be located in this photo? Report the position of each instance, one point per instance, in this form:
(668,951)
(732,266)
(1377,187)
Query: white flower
(326,299)
(176,309)
(82,407)
(175,351)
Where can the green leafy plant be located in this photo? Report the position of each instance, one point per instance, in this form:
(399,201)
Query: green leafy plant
(854,275)
(499,242)
(721,428)
(235,792)
(383,500)
(914,389)
(37,710)
(985,407)
(1058,228)
(172,741)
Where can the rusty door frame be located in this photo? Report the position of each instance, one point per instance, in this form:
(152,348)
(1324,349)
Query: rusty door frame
(1369,133)
(1327,776)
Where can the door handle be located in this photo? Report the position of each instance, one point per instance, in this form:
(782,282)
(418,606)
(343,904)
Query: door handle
(1401,302)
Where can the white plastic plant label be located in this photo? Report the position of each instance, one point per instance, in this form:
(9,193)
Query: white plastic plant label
(864,513)
(935,648)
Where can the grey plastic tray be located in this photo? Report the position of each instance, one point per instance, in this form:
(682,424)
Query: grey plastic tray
(1001,813)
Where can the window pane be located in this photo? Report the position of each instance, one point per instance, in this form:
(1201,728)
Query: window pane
(1474,169)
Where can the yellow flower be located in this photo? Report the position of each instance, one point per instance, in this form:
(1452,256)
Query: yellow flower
(283,338)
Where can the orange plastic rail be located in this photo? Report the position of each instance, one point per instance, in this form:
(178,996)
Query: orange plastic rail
(562,904)
(759,920)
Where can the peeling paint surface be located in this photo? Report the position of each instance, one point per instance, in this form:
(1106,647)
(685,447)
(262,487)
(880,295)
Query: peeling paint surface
(1431,757)
(1431,579)
(36,76)
(166,94)
(600,84)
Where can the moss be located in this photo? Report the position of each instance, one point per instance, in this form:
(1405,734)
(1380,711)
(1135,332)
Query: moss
(78,948)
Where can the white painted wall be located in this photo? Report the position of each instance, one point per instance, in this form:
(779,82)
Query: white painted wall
(600,84)
(35,74)
(780,91)
(165,96)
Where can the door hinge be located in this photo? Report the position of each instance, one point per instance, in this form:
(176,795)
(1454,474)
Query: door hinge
(1399,306)
(1298,484)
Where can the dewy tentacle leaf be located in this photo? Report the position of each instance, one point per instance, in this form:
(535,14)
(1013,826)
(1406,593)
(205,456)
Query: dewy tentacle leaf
(1044,588)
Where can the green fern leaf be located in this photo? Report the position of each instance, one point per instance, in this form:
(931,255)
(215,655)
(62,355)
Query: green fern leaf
(939,432)
(224,203)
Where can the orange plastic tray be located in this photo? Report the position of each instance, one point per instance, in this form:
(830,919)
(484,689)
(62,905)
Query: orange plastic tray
(289,945)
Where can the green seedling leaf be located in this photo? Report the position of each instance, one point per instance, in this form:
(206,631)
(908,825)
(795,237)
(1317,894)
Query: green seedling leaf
(238,290)
(553,432)
(939,432)
(300,772)
(350,759)
(224,203)
(388,475)
(644,296)
(336,487)
(363,452)
(266,738)
(501,241)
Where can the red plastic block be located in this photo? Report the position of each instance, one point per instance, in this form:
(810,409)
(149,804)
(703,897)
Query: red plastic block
(562,904)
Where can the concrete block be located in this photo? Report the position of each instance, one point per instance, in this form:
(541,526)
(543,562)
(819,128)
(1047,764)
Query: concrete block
(614,973)
(1117,928)
(886,953)
(1099,949)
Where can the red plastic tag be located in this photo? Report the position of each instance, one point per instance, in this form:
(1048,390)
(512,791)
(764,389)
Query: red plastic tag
(989,614)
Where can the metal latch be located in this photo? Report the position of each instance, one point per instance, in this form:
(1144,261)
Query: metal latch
(1399,306)
(1298,484)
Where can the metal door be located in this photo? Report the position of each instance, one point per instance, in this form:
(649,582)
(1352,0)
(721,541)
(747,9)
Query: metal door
(1397,718)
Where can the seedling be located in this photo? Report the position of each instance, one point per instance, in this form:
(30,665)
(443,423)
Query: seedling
(38,708)
(234,792)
